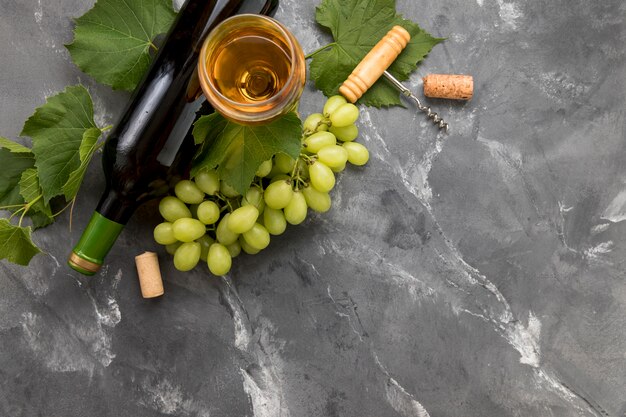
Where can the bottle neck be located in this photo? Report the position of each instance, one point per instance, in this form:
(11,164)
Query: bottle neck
(115,207)
(95,243)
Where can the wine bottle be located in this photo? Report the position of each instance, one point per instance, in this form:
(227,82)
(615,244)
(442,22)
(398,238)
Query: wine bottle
(153,138)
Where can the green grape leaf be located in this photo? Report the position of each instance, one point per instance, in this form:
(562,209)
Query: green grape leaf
(356,26)
(40,219)
(15,243)
(13,146)
(31,192)
(57,129)
(14,159)
(19,183)
(237,151)
(113,40)
(29,185)
(87,149)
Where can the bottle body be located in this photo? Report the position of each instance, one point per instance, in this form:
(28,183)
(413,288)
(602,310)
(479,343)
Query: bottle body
(153,138)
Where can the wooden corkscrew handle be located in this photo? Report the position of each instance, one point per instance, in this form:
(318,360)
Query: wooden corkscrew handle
(375,63)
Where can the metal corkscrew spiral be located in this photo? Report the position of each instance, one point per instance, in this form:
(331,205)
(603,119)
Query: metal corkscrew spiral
(434,117)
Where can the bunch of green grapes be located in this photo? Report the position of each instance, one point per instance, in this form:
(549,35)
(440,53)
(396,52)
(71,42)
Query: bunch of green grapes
(208,220)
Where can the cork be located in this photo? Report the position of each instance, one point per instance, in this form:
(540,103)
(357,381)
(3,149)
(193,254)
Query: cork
(375,63)
(149,275)
(451,86)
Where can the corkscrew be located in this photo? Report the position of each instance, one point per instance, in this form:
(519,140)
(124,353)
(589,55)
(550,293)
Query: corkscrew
(382,55)
(434,117)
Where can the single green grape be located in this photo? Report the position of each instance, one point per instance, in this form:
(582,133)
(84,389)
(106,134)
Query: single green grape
(258,237)
(274,221)
(333,156)
(357,153)
(264,168)
(208,212)
(322,177)
(188,230)
(227,190)
(242,219)
(205,243)
(188,192)
(284,163)
(172,209)
(317,200)
(344,115)
(246,247)
(346,133)
(224,235)
(219,259)
(316,122)
(234,249)
(164,234)
(333,103)
(338,169)
(208,181)
(278,194)
(187,256)
(254,197)
(171,248)
(318,140)
(296,210)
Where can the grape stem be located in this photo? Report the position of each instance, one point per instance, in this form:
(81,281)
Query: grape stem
(301,183)
(225,200)
(308,159)
(295,174)
(230,207)
(308,132)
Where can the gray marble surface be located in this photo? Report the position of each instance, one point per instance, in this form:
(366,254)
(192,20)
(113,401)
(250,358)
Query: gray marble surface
(475,274)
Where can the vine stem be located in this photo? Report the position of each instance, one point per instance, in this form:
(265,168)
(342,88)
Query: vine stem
(12,206)
(98,146)
(312,54)
(71,203)
(71,212)
(16,212)
(27,207)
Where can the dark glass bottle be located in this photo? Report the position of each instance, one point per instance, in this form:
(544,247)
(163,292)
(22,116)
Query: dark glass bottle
(153,138)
